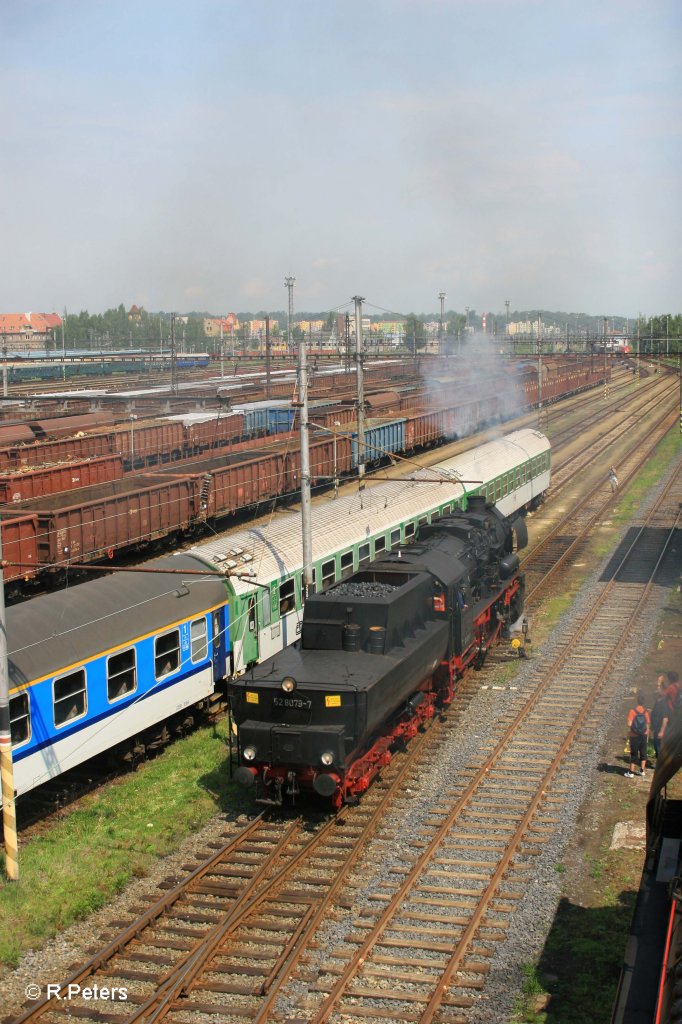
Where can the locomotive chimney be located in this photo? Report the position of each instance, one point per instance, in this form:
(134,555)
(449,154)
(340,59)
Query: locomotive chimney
(476,504)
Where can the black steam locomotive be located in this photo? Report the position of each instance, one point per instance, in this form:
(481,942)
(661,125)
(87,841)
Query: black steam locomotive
(379,653)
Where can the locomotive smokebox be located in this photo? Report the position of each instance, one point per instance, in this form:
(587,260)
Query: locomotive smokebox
(245,777)
(325,785)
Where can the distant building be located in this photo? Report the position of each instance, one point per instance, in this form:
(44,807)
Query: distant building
(388,332)
(28,330)
(228,323)
(257,327)
(311,326)
(530,328)
(135,314)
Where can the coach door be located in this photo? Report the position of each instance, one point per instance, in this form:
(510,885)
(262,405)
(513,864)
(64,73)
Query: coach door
(268,627)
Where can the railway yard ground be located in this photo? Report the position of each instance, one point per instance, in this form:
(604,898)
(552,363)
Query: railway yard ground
(88,872)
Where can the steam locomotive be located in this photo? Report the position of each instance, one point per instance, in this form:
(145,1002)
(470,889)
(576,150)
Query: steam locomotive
(379,654)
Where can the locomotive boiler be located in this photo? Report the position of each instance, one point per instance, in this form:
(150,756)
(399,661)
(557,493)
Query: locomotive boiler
(380,653)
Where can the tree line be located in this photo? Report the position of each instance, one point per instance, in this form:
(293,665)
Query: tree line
(115,328)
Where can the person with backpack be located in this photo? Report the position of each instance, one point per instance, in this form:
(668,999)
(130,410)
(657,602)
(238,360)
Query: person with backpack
(638,724)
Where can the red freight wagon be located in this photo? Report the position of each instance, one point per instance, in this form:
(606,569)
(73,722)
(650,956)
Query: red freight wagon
(62,477)
(235,478)
(214,433)
(422,430)
(265,445)
(43,453)
(227,488)
(330,415)
(91,522)
(323,454)
(16,433)
(149,441)
(19,546)
(67,426)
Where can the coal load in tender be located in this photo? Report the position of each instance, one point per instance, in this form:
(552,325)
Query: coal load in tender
(365,589)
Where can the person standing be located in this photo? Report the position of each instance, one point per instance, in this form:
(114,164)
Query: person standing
(660,715)
(613,480)
(638,724)
(672,691)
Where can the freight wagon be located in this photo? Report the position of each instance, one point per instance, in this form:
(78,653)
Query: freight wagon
(330,458)
(48,452)
(148,442)
(381,441)
(19,548)
(64,476)
(208,430)
(66,426)
(92,523)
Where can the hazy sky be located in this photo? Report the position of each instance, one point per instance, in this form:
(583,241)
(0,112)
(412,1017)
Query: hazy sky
(189,154)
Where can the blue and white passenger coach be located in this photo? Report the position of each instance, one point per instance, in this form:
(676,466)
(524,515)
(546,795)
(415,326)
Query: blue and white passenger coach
(104,665)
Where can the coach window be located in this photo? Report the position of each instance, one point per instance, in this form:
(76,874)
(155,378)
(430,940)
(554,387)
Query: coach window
(363,554)
(167,653)
(395,538)
(121,674)
(265,608)
(198,636)
(328,572)
(19,719)
(287,596)
(70,699)
(379,545)
(409,530)
(423,520)
(346,563)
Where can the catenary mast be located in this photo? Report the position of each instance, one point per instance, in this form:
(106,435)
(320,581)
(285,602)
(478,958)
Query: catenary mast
(358,300)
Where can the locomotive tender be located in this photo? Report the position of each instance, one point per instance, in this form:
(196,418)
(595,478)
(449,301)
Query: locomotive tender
(88,666)
(379,654)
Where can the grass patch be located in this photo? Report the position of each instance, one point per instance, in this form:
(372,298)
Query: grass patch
(119,833)
(580,964)
(533,994)
(556,607)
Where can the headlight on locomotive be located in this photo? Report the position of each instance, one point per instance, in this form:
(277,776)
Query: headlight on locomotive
(327,758)
(249,753)
(288,684)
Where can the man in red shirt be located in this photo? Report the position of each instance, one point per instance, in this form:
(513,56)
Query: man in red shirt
(638,724)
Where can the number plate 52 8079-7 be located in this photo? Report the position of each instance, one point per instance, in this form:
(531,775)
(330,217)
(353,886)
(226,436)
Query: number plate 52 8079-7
(301,703)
